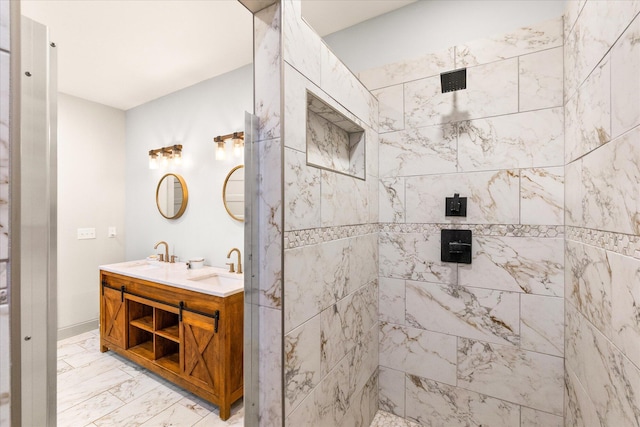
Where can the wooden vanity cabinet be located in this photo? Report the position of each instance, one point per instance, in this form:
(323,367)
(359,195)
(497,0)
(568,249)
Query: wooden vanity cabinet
(194,340)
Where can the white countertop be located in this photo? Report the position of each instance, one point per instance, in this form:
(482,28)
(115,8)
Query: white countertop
(207,280)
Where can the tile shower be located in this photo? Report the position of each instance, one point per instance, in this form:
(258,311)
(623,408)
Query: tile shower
(482,343)
(478,344)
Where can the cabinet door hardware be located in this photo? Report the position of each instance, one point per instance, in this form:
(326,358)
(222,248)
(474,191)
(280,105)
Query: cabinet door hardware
(216,316)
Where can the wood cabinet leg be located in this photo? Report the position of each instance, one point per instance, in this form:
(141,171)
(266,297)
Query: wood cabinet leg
(225,412)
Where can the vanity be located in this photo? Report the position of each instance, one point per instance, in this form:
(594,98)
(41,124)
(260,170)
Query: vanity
(184,325)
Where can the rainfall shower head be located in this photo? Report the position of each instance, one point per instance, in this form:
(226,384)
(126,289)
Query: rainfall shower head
(454,80)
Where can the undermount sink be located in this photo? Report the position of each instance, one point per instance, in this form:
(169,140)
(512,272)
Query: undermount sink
(215,279)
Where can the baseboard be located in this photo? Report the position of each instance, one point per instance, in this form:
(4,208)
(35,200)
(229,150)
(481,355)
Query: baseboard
(80,328)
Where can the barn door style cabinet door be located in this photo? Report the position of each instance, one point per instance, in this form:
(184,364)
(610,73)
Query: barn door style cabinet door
(190,338)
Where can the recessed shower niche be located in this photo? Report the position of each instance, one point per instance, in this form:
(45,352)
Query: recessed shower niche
(334,142)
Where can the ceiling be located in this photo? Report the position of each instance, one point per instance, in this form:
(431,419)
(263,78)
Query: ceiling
(123,53)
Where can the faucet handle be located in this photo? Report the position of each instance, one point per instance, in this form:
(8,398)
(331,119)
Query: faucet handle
(161,257)
(231,267)
(173,259)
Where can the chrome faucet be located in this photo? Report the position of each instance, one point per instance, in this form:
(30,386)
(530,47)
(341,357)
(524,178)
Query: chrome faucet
(166,250)
(231,269)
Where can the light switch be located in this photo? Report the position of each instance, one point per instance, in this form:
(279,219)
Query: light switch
(86,233)
(112,232)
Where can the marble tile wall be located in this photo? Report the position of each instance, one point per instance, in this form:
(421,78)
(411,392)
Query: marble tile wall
(602,257)
(478,344)
(5,357)
(330,229)
(266,241)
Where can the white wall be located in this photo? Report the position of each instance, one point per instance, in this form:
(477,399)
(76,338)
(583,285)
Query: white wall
(191,117)
(429,26)
(91,184)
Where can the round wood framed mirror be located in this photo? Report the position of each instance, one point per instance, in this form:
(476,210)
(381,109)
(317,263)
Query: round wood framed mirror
(233,193)
(172,196)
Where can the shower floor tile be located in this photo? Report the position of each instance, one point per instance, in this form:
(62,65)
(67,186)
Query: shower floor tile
(105,389)
(385,419)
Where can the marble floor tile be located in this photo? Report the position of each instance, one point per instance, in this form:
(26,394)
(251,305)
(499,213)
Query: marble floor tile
(104,389)
(89,410)
(175,415)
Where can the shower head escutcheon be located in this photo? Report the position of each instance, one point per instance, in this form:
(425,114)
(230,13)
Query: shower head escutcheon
(454,80)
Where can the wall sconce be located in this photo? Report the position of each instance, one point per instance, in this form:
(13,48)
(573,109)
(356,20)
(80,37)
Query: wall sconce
(237,140)
(165,156)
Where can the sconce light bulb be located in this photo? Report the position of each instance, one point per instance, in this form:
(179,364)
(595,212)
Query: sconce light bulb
(238,148)
(177,158)
(165,160)
(220,154)
(153,162)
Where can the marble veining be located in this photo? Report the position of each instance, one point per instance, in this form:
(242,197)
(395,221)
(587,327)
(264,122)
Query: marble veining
(270,208)
(267,57)
(571,12)
(541,84)
(423,151)
(524,40)
(579,410)
(625,305)
(542,324)
(625,85)
(301,44)
(391,108)
(302,192)
(532,418)
(270,393)
(493,197)
(542,196)
(339,82)
(407,70)
(425,104)
(391,200)
(588,114)
(481,314)
(302,362)
(327,144)
(609,183)
(600,366)
(122,393)
(316,278)
(508,373)
(517,264)
(392,391)
(418,352)
(433,403)
(333,394)
(344,200)
(531,139)
(589,40)
(588,283)
(392,301)
(414,256)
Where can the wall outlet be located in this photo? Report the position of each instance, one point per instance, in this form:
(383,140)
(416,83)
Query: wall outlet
(111,232)
(86,233)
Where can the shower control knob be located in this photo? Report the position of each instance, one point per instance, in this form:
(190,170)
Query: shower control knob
(27,338)
(27,73)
